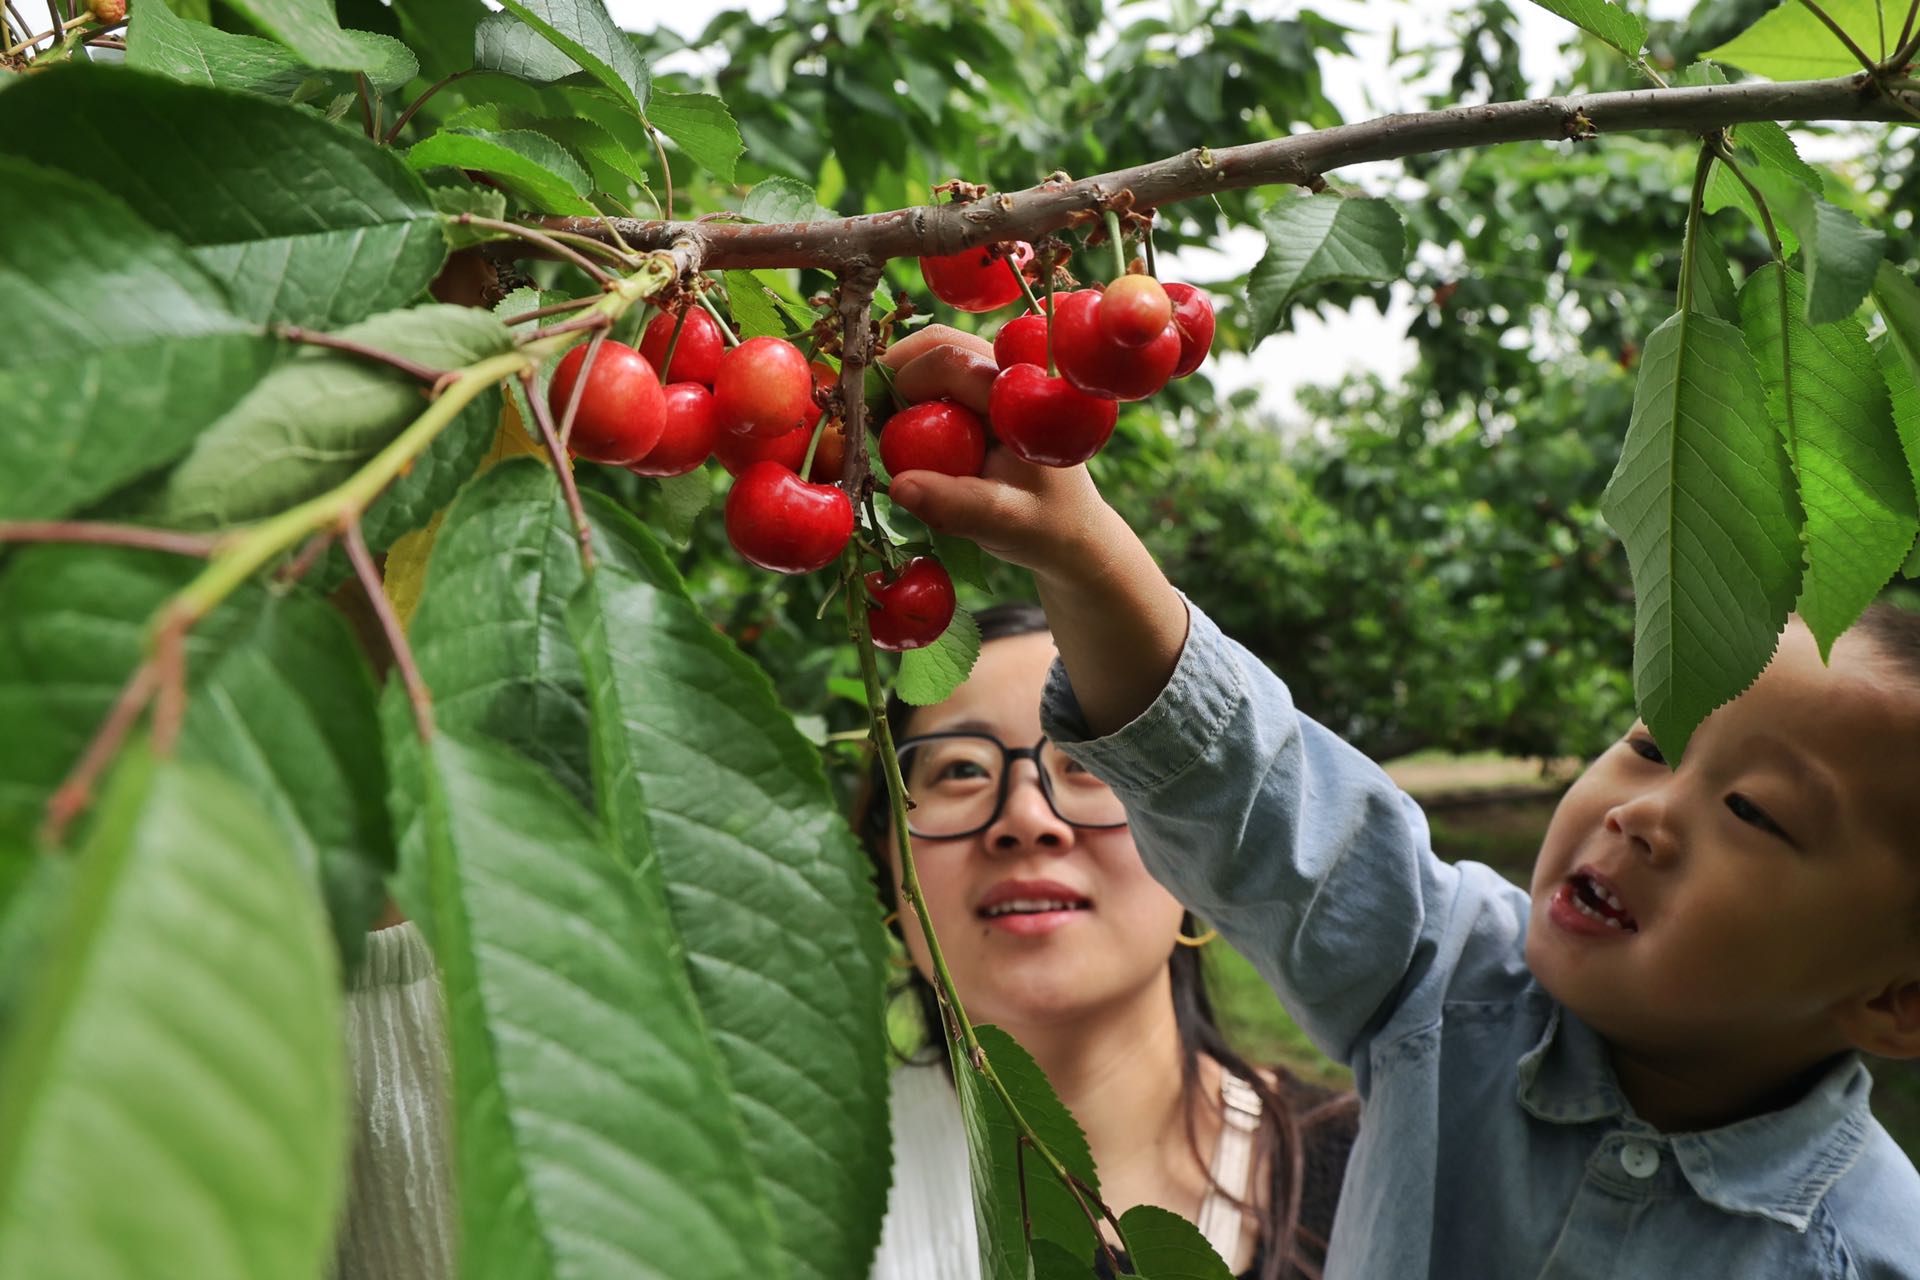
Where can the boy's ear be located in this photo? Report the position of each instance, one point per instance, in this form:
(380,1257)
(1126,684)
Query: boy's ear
(1887,1024)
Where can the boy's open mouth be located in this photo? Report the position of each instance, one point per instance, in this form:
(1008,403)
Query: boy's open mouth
(1591,897)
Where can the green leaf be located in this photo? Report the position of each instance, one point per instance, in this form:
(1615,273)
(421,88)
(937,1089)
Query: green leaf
(1712,281)
(929,675)
(174,1093)
(722,806)
(593,1132)
(440,32)
(196,53)
(700,125)
(279,699)
(305,223)
(393,64)
(1790,43)
(612,166)
(683,500)
(501,42)
(584,32)
(1826,396)
(538,169)
(965,563)
(1162,1245)
(1899,303)
(1317,239)
(1624,31)
(1703,499)
(1841,256)
(116,347)
(751,305)
(309,29)
(312,422)
(783,200)
(461,197)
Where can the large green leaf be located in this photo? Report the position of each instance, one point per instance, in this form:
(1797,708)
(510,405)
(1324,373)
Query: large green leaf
(501,42)
(612,166)
(309,28)
(1703,498)
(304,222)
(1162,1245)
(931,674)
(538,169)
(783,200)
(312,422)
(194,52)
(1840,255)
(116,347)
(1624,31)
(440,32)
(278,697)
(1791,43)
(1899,303)
(594,1136)
(1317,239)
(1827,398)
(1711,280)
(700,125)
(583,30)
(722,806)
(173,1099)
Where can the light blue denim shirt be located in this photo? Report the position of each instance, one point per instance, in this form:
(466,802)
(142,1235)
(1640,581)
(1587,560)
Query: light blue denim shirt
(1494,1141)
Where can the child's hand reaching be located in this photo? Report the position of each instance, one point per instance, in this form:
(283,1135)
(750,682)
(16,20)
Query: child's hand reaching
(1047,519)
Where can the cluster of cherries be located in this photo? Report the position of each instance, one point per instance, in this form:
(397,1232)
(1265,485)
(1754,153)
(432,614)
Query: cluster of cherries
(685,396)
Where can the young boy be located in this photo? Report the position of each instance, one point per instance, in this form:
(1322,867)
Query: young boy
(1645,1067)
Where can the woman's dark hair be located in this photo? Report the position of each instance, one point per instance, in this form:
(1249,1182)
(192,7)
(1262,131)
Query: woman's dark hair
(1292,1230)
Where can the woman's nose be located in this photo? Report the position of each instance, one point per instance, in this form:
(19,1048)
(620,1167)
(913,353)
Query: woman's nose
(1027,820)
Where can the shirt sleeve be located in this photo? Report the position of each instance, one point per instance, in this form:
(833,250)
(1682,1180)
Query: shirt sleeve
(1299,849)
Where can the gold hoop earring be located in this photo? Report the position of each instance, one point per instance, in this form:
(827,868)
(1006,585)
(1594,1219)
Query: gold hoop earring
(1200,941)
(890,919)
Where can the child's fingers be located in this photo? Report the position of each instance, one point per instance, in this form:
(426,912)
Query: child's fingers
(958,372)
(991,513)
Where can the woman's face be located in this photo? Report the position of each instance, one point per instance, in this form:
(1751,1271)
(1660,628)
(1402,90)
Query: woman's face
(1015,958)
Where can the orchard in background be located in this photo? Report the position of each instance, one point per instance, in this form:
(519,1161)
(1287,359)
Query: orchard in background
(243,395)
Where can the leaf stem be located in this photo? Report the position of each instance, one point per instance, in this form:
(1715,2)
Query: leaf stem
(541,238)
(726,330)
(420,101)
(598,320)
(1903,48)
(413,369)
(1026,287)
(201,545)
(1689,244)
(666,170)
(1119,245)
(1866,63)
(367,105)
(551,309)
(609,252)
(567,415)
(673,342)
(562,467)
(371,583)
(75,791)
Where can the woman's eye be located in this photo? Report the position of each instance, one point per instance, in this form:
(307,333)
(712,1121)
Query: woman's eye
(1646,750)
(960,770)
(1753,815)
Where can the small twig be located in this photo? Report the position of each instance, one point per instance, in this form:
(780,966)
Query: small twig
(55,33)
(1867,63)
(1901,46)
(75,792)
(170,666)
(580,386)
(412,368)
(611,253)
(376,592)
(111,535)
(366,103)
(420,101)
(298,567)
(558,454)
(551,309)
(541,238)
(666,170)
(673,343)
(726,330)
(598,320)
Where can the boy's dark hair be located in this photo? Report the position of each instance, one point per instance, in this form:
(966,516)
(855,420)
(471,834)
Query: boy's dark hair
(1895,628)
(1305,1131)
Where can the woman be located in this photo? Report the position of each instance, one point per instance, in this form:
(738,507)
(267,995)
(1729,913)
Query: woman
(1054,932)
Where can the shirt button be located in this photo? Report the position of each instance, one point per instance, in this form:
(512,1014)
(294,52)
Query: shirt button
(1640,1159)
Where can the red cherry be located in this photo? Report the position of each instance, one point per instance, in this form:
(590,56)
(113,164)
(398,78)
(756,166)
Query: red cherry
(764,388)
(622,410)
(1134,310)
(1047,421)
(1193,317)
(1101,367)
(914,609)
(1021,340)
(697,358)
(689,436)
(977,279)
(780,522)
(938,435)
(737,453)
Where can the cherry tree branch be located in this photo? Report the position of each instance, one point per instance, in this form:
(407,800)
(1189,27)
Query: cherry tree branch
(1296,160)
(111,535)
(376,590)
(858,281)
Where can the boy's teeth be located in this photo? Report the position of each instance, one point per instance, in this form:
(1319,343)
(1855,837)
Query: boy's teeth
(1586,910)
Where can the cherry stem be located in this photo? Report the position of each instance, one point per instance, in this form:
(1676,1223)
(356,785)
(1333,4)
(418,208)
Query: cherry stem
(1119,246)
(673,343)
(893,392)
(412,368)
(726,331)
(580,386)
(541,238)
(666,170)
(367,104)
(563,467)
(1051,371)
(1026,287)
(376,591)
(598,320)
(420,101)
(309,556)
(551,309)
(813,444)
(1153,267)
(201,545)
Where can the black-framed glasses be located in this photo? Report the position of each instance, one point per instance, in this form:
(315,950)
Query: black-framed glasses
(958,783)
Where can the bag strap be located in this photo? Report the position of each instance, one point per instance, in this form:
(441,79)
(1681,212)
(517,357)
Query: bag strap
(1220,1217)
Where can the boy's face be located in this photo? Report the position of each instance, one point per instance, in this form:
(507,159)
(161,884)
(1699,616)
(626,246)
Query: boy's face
(1737,902)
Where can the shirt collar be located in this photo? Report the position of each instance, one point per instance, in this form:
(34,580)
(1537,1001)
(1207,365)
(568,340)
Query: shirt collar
(1776,1165)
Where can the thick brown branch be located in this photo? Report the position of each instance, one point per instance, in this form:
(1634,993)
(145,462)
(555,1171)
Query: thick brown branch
(858,280)
(1298,160)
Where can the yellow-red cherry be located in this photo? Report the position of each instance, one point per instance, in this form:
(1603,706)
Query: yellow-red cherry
(1193,317)
(1134,310)
(780,522)
(912,610)
(764,388)
(1099,366)
(622,410)
(689,436)
(1045,420)
(936,435)
(697,356)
